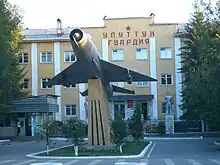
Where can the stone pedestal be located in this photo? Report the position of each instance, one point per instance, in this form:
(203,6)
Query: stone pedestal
(169,123)
(98,114)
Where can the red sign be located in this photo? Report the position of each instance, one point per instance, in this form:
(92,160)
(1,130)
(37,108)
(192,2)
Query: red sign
(124,38)
(130,104)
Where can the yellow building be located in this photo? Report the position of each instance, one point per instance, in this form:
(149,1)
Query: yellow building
(137,43)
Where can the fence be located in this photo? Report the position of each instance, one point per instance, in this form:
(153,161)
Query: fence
(181,127)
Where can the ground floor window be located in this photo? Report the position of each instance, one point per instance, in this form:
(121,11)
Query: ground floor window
(70,110)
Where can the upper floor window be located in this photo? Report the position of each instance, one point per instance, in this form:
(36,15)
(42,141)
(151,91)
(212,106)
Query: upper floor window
(46,57)
(44,83)
(69,56)
(120,84)
(23,58)
(118,55)
(25,84)
(141,84)
(165,53)
(70,110)
(70,86)
(166,79)
(141,54)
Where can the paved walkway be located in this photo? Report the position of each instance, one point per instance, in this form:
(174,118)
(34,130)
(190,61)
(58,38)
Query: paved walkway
(166,161)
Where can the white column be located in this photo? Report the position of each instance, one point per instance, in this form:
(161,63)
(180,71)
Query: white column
(153,74)
(57,70)
(177,44)
(34,87)
(82,100)
(105,49)
(150,108)
(34,69)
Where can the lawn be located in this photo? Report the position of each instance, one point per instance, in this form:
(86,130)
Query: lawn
(129,148)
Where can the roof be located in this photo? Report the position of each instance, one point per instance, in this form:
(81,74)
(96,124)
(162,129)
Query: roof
(33,97)
(36,104)
(120,18)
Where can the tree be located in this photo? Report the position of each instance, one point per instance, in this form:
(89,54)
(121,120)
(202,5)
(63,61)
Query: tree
(11,74)
(74,130)
(48,130)
(118,132)
(135,125)
(200,64)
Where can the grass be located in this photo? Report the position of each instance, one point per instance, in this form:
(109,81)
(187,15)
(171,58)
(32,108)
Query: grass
(130,148)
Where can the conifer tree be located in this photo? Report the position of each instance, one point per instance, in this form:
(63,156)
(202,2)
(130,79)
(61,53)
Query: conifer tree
(200,64)
(11,74)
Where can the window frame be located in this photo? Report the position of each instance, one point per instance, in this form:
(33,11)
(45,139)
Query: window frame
(26,84)
(141,59)
(122,50)
(46,52)
(166,58)
(64,55)
(46,81)
(71,110)
(22,56)
(166,74)
(142,86)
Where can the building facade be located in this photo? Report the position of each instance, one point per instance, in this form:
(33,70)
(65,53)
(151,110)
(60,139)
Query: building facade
(137,43)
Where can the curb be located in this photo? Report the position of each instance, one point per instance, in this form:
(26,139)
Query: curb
(5,141)
(217,143)
(63,139)
(142,154)
(173,138)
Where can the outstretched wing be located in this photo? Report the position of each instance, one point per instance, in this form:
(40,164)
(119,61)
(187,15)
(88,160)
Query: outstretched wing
(71,75)
(116,73)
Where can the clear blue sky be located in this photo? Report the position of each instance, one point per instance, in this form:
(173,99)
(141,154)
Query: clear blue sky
(79,13)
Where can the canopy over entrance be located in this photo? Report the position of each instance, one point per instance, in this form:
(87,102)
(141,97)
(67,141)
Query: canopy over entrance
(36,104)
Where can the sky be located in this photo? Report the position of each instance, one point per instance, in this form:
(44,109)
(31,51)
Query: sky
(40,14)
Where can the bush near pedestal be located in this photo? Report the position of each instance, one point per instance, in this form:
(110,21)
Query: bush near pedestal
(118,132)
(135,125)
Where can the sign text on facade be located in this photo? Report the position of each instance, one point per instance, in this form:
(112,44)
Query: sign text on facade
(132,38)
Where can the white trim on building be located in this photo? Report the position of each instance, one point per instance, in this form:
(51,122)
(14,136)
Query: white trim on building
(34,67)
(177,43)
(57,70)
(153,74)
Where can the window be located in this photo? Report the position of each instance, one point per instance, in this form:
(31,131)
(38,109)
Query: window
(23,58)
(118,55)
(69,86)
(166,79)
(120,84)
(25,84)
(141,54)
(46,57)
(142,84)
(44,84)
(69,56)
(70,110)
(165,53)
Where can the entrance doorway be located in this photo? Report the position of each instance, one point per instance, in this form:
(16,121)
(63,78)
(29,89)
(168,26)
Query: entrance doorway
(119,110)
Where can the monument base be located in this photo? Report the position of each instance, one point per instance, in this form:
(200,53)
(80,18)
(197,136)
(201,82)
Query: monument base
(169,123)
(98,114)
